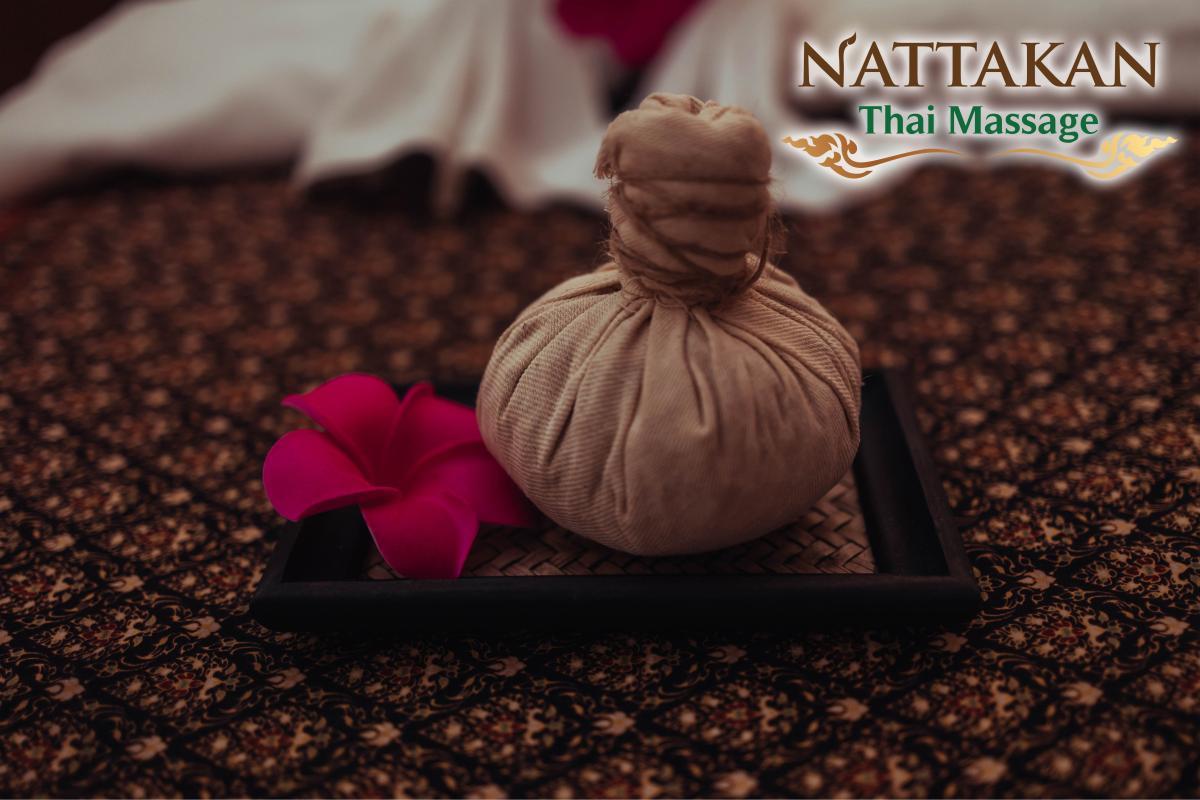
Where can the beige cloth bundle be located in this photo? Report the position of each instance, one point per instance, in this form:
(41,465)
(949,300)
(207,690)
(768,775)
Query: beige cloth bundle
(688,396)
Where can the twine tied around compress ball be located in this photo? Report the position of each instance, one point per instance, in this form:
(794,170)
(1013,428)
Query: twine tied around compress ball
(691,212)
(697,286)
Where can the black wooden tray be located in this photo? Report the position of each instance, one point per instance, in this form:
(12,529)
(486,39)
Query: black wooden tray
(315,579)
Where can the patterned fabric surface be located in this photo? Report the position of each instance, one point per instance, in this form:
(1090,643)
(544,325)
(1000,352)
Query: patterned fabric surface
(147,334)
(830,538)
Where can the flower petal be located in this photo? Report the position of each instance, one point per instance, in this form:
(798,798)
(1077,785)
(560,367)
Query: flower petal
(425,425)
(422,536)
(470,473)
(305,473)
(357,410)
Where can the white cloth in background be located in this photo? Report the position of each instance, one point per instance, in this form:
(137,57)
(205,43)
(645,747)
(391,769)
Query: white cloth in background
(347,87)
(194,85)
(496,86)
(344,87)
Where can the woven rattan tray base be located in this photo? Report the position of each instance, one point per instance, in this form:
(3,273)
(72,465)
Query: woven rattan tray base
(879,548)
(831,538)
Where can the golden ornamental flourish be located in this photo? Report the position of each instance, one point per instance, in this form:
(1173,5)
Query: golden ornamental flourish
(1119,154)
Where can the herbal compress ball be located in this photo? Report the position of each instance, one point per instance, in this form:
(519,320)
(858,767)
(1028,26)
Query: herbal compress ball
(687,396)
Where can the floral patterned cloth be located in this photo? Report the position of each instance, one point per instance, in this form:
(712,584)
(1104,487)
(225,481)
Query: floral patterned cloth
(147,333)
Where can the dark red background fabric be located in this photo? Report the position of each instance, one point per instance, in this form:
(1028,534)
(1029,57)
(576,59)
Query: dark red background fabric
(149,331)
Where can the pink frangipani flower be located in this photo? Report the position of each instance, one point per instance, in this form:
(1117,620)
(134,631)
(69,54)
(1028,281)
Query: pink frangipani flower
(417,468)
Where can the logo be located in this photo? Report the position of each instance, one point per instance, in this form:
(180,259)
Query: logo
(975,130)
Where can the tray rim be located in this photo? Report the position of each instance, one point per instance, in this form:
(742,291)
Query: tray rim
(884,596)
